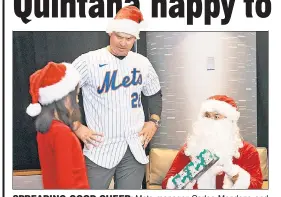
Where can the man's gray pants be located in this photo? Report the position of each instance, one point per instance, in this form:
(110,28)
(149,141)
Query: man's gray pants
(128,174)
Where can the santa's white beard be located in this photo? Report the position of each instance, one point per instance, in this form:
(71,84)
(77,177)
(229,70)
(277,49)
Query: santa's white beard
(221,137)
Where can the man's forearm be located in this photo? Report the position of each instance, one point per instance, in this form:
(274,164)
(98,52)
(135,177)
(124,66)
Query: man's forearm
(155,104)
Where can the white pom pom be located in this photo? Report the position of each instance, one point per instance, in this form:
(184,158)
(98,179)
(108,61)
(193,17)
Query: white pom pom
(34,109)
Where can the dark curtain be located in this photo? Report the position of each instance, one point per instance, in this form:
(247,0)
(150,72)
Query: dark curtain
(262,89)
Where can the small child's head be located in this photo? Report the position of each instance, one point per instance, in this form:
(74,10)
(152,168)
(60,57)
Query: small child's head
(54,90)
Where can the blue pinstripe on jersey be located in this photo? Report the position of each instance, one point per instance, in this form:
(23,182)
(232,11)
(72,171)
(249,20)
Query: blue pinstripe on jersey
(112,103)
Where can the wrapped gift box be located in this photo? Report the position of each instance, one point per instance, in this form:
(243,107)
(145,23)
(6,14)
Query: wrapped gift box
(195,168)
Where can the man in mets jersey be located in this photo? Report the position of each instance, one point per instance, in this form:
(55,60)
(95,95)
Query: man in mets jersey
(112,80)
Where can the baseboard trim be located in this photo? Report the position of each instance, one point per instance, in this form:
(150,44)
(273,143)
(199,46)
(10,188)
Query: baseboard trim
(26,172)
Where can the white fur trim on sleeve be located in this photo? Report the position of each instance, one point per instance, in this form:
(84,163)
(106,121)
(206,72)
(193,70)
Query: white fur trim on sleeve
(223,108)
(170,184)
(243,181)
(227,182)
(57,91)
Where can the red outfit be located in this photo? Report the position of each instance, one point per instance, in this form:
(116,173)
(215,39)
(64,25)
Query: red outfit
(61,158)
(248,160)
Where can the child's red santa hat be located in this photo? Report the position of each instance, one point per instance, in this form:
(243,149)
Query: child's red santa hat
(128,19)
(221,104)
(50,84)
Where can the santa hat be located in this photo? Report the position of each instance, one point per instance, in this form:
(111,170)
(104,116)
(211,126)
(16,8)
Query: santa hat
(221,104)
(50,84)
(128,19)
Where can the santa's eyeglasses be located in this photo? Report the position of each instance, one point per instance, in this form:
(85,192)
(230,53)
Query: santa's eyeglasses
(214,115)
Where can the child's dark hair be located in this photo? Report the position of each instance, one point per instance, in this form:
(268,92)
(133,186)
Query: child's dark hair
(45,118)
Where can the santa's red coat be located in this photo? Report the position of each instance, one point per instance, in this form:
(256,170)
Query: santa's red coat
(249,161)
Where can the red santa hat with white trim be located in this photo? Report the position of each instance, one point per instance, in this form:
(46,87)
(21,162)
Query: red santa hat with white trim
(128,19)
(51,83)
(222,104)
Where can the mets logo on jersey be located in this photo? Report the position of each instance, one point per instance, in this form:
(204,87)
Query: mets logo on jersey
(109,81)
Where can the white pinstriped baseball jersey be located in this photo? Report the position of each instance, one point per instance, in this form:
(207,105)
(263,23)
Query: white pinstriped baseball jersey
(111,91)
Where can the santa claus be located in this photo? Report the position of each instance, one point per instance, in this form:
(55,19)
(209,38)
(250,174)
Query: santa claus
(216,130)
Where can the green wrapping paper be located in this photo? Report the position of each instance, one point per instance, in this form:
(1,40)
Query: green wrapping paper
(196,168)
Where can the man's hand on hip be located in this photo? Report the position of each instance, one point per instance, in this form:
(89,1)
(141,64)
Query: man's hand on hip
(148,131)
(88,136)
